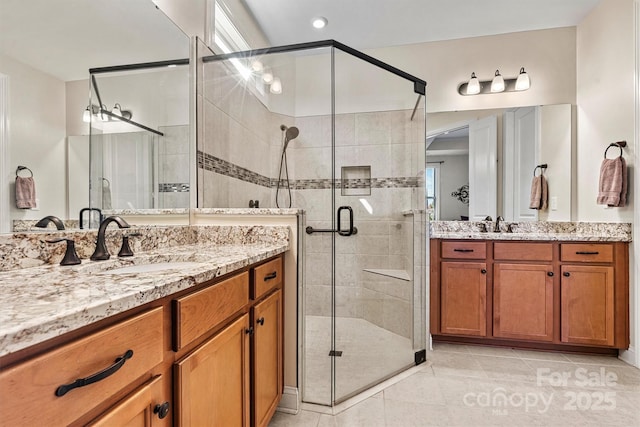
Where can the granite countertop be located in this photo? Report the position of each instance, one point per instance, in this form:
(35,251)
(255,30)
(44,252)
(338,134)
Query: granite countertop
(534,231)
(43,302)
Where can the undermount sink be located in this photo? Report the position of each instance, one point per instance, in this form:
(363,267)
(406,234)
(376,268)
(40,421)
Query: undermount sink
(153,267)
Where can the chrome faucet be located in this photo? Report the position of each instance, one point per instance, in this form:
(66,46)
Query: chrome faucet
(496,228)
(102,253)
(47,219)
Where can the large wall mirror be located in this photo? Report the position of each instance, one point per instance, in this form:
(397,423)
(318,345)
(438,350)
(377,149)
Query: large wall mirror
(46,51)
(481,163)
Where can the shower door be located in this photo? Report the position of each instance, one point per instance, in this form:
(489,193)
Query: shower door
(376,214)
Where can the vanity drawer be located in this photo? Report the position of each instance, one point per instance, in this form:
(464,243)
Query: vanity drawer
(266,277)
(202,311)
(464,250)
(586,252)
(510,251)
(32,393)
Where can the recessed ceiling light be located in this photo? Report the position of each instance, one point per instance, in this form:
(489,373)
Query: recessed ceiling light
(319,22)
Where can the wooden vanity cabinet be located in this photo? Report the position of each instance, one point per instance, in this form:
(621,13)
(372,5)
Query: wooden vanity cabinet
(523,289)
(146,407)
(462,294)
(594,294)
(206,357)
(547,295)
(38,391)
(235,377)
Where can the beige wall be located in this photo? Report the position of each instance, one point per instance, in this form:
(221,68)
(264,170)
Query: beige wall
(36,137)
(605,100)
(547,55)
(605,82)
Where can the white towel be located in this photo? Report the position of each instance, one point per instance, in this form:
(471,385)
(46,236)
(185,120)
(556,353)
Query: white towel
(25,192)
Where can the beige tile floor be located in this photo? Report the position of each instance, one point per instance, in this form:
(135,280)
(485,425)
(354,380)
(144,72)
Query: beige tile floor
(483,386)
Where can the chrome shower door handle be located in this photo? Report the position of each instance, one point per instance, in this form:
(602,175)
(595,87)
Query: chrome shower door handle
(351,230)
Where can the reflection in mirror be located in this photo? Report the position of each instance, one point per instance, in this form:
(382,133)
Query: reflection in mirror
(492,154)
(141,162)
(45,57)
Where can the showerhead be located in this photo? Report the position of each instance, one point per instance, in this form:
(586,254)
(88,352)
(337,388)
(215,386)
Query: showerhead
(289,134)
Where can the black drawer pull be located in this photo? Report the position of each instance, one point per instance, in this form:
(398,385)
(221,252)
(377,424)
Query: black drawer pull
(550,273)
(463,250)
(483,271)
(566,274)
(64,389)
(249,330)
(271,276)
(260,321)
(587,253)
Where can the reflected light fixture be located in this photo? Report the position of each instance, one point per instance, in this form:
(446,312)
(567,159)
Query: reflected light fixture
(86,116)
(497,85)
(319,22)
(473,87)
(276,86)
(256,66)
(267,76)
(523,82)
(116,110)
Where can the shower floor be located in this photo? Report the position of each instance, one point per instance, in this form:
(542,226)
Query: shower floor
(369,355)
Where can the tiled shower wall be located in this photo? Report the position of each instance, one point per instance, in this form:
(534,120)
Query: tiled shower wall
(173,167)
(238,161)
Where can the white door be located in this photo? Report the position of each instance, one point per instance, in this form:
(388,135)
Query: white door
(483,177)
(521,138)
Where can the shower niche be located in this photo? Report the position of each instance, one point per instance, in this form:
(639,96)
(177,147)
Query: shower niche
(341,138)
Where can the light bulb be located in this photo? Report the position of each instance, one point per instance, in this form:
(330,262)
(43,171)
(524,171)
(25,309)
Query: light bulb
(86,116)
(256,66)
(497,85)
(319,22)
(523,82)
(473,87)
(267,76)
(276,86)
(117,111)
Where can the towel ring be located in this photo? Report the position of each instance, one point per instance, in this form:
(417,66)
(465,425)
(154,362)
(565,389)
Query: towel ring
(618,144)
(107,181)
(542,167)
(21,168)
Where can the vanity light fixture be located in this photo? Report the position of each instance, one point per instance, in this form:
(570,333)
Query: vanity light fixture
(523,82)
(473,87)
(498,84)
(319,23)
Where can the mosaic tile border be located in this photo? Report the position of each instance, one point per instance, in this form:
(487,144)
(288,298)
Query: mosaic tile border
(223,167)
(179,187)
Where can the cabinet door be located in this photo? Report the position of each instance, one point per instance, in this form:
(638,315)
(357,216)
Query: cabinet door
(212,382)
(523,301)
(587,305)
(146,407)
(267,351)
(463,298)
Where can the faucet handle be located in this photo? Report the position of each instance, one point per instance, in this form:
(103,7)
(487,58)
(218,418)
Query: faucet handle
(483,227)
(70,255)
(125,250)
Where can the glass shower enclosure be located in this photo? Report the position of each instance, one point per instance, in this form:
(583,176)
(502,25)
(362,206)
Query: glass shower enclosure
(339,136)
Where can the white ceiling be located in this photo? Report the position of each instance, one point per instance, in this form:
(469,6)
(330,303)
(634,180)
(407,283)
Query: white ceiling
(68,37)
(379,23)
